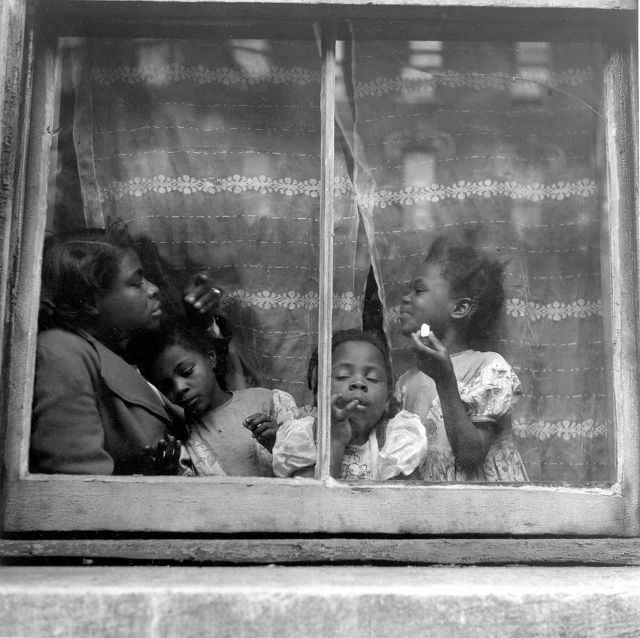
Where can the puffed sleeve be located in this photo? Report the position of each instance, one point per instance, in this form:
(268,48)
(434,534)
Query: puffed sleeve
(494,391)
(405,446)
(67,435)
(295,447)
(284,406)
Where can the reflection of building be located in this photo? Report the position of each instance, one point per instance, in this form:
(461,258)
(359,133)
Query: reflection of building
(495,141)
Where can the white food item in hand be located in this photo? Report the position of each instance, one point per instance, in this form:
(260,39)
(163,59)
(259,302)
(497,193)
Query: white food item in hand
(425,330)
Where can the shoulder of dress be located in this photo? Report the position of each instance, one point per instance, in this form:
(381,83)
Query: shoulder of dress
(491,358)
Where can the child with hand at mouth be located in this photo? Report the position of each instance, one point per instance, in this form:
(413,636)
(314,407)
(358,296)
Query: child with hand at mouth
(369,438)
(463,396)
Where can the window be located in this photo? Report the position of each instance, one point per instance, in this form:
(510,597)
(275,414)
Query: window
(306,164)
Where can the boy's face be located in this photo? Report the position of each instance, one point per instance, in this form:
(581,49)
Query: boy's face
(428,301)
(358,372)
(186,377)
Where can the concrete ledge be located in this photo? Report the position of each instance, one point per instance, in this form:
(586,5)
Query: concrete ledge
(319,601)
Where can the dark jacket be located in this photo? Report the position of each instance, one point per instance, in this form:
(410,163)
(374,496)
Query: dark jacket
(93,413)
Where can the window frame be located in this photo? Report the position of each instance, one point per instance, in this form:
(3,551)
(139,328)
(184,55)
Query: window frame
(172,505)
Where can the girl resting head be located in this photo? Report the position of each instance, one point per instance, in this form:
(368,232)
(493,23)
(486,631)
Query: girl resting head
(183,368)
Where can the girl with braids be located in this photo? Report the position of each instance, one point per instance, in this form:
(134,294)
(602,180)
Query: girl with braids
(370,438)
(463,396)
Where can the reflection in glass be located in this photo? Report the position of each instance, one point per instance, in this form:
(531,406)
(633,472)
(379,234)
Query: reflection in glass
(205,155)
(494,144)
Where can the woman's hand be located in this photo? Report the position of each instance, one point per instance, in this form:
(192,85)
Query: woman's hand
(201,299)
(162,458)
(432,357)
(263,428)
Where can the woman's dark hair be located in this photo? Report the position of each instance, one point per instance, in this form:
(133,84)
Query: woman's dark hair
(77,269)
(470,273)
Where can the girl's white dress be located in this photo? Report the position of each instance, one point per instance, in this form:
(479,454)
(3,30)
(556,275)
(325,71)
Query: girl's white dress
(403,450)
(219,444)
(489,387)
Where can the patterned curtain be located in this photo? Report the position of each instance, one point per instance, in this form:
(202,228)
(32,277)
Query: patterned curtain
(212,149)
(496,142)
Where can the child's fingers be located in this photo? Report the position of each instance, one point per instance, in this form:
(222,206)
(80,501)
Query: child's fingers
(251,422)
(339,401)
(342,405)
(419,345)
(208,301)
(436,343)
(264,428)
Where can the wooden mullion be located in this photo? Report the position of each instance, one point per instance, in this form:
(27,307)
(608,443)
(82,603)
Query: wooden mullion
(13,93)
(29,235)
(621,275)
(325,292)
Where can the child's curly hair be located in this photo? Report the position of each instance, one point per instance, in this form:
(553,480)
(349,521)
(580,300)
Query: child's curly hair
(470,273)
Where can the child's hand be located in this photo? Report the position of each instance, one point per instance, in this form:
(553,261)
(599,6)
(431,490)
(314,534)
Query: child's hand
(342,409)
(201,298)
(163,458)
(432,357)
(263,428)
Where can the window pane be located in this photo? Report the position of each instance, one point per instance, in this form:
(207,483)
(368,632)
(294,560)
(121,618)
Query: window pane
(208,153)
(494,144)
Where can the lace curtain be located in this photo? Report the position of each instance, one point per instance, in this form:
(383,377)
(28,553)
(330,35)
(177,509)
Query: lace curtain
(213,151)
(496,142)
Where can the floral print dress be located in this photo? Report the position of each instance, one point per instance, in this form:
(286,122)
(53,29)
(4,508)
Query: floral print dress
(401,453)
(489,388)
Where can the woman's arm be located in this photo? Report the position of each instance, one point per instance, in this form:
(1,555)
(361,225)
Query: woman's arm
(67,435)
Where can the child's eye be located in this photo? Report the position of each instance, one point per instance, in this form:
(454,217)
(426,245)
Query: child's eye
(185,370)
(374,380)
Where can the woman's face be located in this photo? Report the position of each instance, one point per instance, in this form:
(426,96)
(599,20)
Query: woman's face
(358,372)
(131,304)
(186,377)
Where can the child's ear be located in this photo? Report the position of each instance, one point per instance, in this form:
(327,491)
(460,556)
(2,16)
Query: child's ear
(464,307)
(213,360)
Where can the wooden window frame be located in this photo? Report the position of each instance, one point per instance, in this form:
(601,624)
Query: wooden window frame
(231,508)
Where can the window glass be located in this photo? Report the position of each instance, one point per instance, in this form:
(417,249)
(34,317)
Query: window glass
(208,153)
(496,144)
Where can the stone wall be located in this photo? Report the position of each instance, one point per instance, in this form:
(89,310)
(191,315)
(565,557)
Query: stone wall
(306,602)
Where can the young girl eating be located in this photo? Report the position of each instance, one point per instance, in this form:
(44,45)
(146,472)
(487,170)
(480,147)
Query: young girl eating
(93,413)
(228,433)
(462,396)
(368,440)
